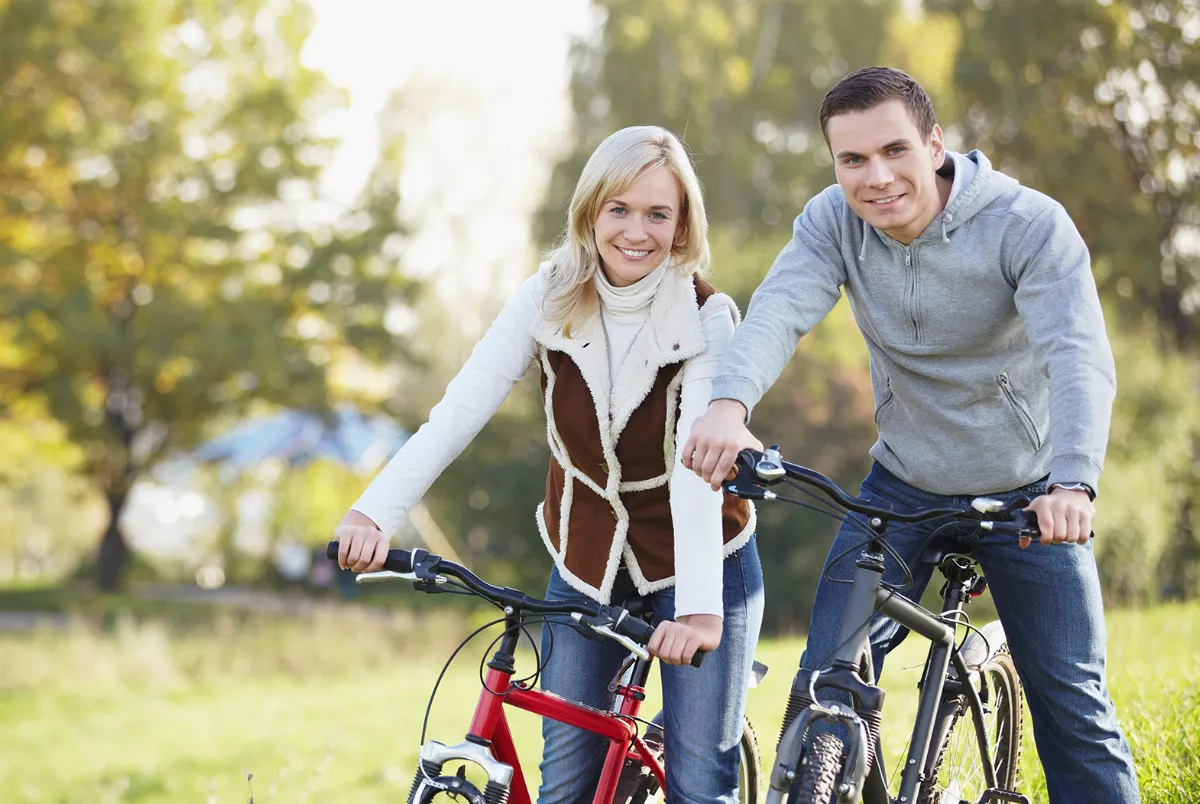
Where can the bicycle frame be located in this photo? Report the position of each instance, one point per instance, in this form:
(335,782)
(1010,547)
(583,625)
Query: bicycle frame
(489,741)
(851,671)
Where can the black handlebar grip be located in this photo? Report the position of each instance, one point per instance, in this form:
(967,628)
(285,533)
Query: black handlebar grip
(396,561)
(698,658)
(636,629)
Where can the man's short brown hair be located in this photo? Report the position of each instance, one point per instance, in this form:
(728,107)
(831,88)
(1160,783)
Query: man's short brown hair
(869,87)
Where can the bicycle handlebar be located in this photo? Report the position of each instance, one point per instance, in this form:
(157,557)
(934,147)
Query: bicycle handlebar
(612,622)
(755,470)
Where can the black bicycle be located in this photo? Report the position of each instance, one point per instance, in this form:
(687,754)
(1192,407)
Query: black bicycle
(966,739)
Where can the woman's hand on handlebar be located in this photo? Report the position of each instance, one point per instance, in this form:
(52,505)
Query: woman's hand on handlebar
(362,547)
(675,642)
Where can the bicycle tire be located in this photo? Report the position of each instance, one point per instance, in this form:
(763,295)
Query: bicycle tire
(818,771)
(641,782)
(956,770)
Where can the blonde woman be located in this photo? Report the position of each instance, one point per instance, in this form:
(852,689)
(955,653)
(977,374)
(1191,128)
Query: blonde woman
(627,336)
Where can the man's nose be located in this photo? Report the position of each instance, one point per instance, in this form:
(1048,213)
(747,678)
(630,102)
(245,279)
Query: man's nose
(879,174)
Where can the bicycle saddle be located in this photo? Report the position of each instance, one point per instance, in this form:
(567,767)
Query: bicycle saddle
(940,550)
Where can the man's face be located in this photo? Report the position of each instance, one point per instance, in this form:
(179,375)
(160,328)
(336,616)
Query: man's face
(885,169)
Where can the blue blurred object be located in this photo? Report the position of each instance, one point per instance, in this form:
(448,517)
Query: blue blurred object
(356,441)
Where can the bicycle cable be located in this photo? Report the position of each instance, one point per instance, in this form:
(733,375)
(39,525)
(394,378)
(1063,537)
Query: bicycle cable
(438,682)
(531,679)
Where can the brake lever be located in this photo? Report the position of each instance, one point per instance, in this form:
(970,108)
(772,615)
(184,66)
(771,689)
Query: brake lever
(605,631)
(388,575)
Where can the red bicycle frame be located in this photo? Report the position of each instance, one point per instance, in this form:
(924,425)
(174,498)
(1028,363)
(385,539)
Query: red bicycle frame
(489,741)
(490,723)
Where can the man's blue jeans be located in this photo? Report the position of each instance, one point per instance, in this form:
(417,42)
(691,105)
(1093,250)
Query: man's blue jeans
(702,707)
(1048,598)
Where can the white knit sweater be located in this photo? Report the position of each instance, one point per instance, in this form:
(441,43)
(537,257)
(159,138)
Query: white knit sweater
(501,358)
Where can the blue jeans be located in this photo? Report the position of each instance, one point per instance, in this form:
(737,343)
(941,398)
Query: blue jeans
(702,707)
(1048,599)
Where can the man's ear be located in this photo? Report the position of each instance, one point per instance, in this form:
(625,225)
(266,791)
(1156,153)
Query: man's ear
(937,145)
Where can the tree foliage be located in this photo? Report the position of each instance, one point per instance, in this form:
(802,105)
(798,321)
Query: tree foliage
(1096,104)
(155,159)
(740,82)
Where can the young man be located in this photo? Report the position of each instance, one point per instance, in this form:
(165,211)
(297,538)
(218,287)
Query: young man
(992,375)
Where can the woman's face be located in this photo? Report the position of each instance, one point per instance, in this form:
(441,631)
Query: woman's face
(635,229)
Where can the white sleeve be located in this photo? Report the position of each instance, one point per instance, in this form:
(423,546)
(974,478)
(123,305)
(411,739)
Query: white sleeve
(496,363)
(695,507)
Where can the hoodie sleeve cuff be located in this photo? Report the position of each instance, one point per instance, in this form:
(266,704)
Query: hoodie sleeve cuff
(1074,469)
(739,389)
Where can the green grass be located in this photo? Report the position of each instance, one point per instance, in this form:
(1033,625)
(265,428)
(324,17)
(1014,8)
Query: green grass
(329,709)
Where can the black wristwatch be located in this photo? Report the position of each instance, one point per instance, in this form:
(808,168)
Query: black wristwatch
(1074,487)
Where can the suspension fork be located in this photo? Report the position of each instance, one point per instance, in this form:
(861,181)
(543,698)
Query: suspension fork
(861,722)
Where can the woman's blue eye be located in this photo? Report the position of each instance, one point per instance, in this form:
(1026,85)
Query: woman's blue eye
(618,210)
(659,215)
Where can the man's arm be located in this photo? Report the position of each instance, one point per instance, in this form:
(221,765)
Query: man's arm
(800,289)
(1060,309)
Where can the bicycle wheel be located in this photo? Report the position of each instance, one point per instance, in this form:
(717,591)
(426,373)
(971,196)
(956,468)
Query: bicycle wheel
(643,788)
(956,772)
(818,770)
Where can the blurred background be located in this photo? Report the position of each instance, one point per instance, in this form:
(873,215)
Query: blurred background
(246,243)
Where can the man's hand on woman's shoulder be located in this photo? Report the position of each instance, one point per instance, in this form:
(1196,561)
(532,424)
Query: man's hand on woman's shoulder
(715,440)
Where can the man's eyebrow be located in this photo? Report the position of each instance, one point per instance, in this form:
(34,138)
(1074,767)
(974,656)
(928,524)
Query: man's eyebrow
(886,147)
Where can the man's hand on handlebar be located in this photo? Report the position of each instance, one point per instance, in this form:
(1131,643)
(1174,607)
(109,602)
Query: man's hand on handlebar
(676,642)
(716,437)
(362,547)
(1063,516)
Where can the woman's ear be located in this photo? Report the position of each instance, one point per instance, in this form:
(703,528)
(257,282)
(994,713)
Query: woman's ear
(680,244)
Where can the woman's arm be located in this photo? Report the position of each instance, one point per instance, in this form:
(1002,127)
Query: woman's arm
(496,363)
(695,507)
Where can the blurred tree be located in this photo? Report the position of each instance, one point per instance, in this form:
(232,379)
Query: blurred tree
(1147,480)
(157,158)
(1095,103)
(741,82)
(46,510)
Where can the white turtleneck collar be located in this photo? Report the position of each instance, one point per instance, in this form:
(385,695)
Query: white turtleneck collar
(631,297)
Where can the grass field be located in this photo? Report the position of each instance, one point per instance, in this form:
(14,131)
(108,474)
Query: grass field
(329,708)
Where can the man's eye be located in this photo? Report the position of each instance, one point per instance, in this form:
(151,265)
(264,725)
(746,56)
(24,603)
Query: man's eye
(897,150)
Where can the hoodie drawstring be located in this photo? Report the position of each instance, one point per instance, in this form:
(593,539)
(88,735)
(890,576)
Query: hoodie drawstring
(862,253)
(946,219)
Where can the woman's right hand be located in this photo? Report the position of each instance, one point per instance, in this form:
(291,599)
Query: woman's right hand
(362,547)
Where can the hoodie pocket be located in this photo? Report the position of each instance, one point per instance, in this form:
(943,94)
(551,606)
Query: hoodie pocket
(1019,408)
(888,398)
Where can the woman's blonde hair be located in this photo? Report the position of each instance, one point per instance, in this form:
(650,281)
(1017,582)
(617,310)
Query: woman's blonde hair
(624,156)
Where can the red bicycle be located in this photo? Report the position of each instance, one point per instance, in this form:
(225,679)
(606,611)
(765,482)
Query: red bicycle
(634,763)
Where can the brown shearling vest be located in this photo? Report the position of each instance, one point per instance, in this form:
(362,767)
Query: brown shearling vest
(607,491)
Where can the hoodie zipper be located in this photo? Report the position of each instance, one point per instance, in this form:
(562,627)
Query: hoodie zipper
(1026,419)
(912,294)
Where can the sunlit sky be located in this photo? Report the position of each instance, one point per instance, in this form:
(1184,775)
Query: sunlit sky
(491,86)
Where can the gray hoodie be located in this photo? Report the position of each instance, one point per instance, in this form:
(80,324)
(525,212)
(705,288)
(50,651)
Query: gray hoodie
(989,360)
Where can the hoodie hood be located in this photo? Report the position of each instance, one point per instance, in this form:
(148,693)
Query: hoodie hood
(975,186)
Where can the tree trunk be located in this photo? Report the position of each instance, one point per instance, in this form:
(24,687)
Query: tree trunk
(113,557)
